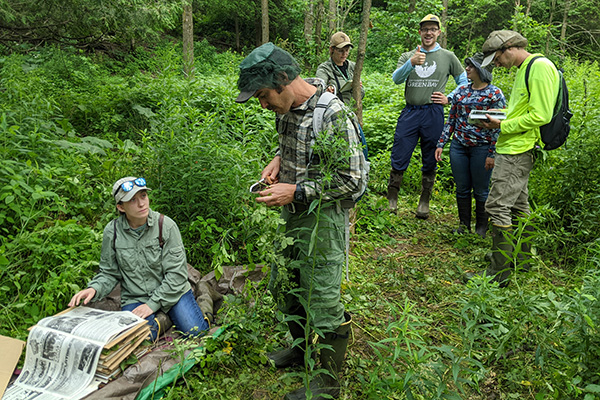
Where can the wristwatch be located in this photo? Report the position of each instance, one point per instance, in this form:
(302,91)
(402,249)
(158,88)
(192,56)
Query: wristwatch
(299,194)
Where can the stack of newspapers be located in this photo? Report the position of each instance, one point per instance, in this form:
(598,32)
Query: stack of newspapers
(70,354)
(118,349)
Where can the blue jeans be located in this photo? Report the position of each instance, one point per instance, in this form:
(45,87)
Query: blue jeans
(468,169)
(185,314)
(417,123)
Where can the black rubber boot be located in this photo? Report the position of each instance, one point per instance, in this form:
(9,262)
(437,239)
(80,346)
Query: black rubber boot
(464,215)
(331,360)
(393,188)
(481,218)
(502,253)
(294,355)
(427,181)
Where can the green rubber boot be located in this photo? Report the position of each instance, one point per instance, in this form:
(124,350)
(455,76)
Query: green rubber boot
(525,255)
(328,384)
(502,251)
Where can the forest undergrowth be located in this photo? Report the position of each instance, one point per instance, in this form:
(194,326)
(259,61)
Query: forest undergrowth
(420,332)
(71,123)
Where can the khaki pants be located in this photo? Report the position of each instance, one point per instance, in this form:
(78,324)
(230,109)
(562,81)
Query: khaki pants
(508,194)
(316,278)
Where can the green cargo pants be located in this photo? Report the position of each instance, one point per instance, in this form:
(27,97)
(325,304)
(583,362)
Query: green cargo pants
(317,276)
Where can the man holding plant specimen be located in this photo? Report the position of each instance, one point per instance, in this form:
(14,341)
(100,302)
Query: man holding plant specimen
(316,177)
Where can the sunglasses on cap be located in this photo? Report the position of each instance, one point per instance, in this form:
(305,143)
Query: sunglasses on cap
(128,186)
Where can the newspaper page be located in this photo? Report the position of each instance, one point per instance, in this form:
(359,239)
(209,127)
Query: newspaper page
(63,351)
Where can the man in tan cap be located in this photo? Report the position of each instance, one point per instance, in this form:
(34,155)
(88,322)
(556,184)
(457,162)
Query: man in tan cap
(338,71)
(531,105)
(425,70)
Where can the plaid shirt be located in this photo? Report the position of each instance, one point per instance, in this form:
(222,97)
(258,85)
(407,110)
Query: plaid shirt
(296,138)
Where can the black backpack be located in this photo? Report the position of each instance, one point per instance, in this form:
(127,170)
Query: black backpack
(555,132)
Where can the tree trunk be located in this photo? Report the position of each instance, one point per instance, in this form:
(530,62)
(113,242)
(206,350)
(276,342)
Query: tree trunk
(332,17)
(550,20)
(309,21)
(412,4)
(563,29)
(188,40)
(444,23)
(264,5)
(360,58)
(319,25)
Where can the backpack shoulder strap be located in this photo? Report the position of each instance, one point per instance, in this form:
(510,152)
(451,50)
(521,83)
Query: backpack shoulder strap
(114,233)
(320,108)
(527,73)
(318,115)
(161,241)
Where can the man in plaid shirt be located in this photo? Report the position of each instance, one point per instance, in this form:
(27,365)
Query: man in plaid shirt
(326,168)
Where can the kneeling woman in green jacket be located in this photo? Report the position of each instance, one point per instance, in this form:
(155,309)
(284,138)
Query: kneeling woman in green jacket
(146,256)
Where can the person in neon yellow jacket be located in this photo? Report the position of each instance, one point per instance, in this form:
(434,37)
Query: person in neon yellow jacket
(519,135)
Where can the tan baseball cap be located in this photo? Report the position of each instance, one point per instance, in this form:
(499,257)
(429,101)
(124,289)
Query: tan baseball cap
(499,40)
(430,18)
(339,40)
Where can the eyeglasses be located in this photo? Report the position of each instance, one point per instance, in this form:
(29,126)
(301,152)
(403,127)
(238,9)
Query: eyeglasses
(128,186)
(429,30)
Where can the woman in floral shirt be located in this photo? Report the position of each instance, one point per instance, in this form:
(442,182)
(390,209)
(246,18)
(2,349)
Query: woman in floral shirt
(472,148)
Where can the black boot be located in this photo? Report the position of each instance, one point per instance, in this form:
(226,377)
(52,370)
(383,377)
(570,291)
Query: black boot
(502,255)
(393,188)
(464,215)
(427,181)
(481,218)
(331,360)
(294,355)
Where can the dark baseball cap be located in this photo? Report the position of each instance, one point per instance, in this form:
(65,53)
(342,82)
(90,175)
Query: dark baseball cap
(267,66)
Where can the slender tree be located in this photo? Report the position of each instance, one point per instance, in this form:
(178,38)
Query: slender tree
(444,27)
(550,21)
(563,29)
(320,14)
(332,17)
(360,58)
(309,21)
(188,39)
(264,5)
